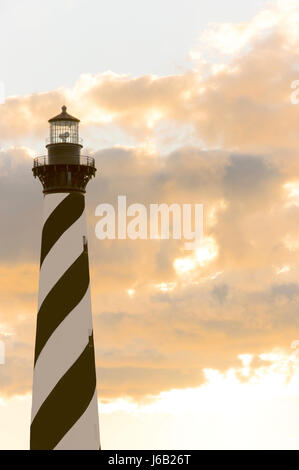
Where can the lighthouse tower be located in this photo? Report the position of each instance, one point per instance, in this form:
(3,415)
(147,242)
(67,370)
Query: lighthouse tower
(64,403)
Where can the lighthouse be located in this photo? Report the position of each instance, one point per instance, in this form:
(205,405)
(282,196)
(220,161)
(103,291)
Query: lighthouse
(64,401)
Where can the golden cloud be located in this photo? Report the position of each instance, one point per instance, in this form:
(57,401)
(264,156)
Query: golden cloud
(159,323)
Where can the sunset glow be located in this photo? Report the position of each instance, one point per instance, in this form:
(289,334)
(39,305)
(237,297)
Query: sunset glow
(179,104)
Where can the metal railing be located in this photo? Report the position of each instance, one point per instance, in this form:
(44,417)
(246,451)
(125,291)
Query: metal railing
(78,160)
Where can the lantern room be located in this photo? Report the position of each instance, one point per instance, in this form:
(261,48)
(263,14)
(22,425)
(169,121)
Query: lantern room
(64,169)
(64,128)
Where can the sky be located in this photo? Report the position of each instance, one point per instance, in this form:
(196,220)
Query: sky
(52,43)
(185,102)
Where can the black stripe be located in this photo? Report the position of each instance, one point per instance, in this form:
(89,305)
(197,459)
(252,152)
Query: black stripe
(66,403)
(63,216)
(60,301)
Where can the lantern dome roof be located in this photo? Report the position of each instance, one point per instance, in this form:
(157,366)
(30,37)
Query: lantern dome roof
(64,116)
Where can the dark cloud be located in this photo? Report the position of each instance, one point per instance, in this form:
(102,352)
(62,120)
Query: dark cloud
(242,300)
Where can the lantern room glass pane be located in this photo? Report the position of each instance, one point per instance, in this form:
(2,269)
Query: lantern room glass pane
(64,131)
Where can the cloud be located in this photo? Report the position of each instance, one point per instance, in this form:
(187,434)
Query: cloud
(20,206)
(243,104)
(234,38)
(239,158)
(169,334)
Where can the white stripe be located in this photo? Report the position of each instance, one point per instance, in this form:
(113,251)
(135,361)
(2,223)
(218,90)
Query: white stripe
(61,256)
(51,201)
(61,351)
(84,435)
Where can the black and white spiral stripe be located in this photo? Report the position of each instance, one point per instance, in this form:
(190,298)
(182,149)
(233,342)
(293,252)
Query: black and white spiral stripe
(64,405)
